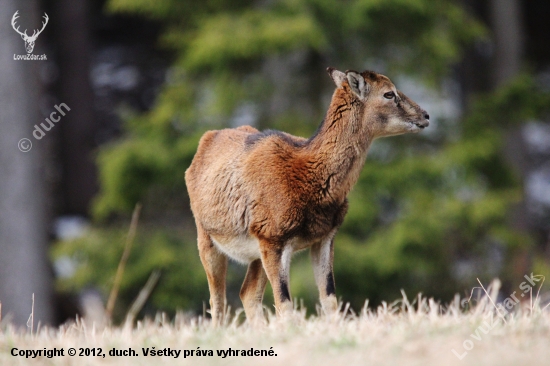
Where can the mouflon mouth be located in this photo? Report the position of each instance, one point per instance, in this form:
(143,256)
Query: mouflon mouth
(422,124)
(418,126)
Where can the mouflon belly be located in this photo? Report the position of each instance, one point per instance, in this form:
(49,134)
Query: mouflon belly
(245,249)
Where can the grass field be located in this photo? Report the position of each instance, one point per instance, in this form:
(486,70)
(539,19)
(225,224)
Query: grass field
(419,332)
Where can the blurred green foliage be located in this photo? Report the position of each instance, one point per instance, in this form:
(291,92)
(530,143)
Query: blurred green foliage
(422,205)
(97,254)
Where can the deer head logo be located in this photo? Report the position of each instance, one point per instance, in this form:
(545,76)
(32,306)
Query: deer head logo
(29,40)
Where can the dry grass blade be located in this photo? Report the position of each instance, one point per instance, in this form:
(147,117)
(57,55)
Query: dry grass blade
(538,291)
(30,322)
(142,297)
(490,299)
(122,264)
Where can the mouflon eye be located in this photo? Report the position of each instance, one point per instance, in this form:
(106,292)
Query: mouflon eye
(389,95)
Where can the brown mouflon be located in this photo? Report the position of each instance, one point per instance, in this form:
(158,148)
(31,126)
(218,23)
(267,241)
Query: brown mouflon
(258,197)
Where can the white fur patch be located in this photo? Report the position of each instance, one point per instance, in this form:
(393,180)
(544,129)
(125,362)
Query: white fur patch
(286,256)
(243,249)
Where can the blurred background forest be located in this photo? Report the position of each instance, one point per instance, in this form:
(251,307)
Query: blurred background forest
(468,197)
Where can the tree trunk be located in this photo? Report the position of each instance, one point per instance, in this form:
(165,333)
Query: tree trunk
(72,41)
(506,23)
(508,36)
(24,268)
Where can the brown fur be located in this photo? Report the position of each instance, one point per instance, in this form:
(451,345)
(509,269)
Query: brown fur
(260,196)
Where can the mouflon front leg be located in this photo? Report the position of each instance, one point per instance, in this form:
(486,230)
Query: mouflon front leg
(252,291)
(215,266)
(322,255)
(276,262)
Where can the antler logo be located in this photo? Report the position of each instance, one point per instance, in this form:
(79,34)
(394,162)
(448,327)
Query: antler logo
(29,40)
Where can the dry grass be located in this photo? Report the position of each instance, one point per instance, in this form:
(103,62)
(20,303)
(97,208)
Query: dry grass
(418,333)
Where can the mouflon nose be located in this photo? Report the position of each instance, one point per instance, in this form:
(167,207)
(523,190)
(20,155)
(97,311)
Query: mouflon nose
(426,121)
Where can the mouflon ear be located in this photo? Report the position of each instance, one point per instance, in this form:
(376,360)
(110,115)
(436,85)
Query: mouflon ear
(357,84)
(337,76)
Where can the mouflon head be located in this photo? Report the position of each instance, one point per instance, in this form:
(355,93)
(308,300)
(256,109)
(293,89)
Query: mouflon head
(388,111)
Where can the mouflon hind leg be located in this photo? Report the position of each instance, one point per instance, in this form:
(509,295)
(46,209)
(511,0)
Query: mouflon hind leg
(322,255)
(215,266)
(252,292)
